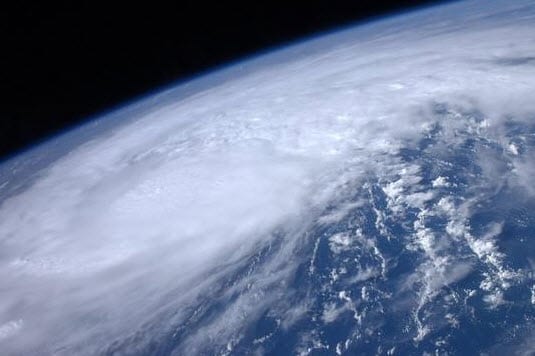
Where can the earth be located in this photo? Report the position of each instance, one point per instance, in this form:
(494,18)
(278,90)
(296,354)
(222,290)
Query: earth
(369,191)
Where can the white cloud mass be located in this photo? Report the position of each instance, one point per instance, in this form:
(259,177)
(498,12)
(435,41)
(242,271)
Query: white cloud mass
(129,230)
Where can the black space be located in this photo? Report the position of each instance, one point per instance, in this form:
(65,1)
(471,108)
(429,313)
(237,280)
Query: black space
(62,65)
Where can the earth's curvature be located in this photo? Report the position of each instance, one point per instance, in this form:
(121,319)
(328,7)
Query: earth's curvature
(370,191)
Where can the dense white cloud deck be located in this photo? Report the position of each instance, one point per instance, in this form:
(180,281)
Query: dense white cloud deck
(137,224)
